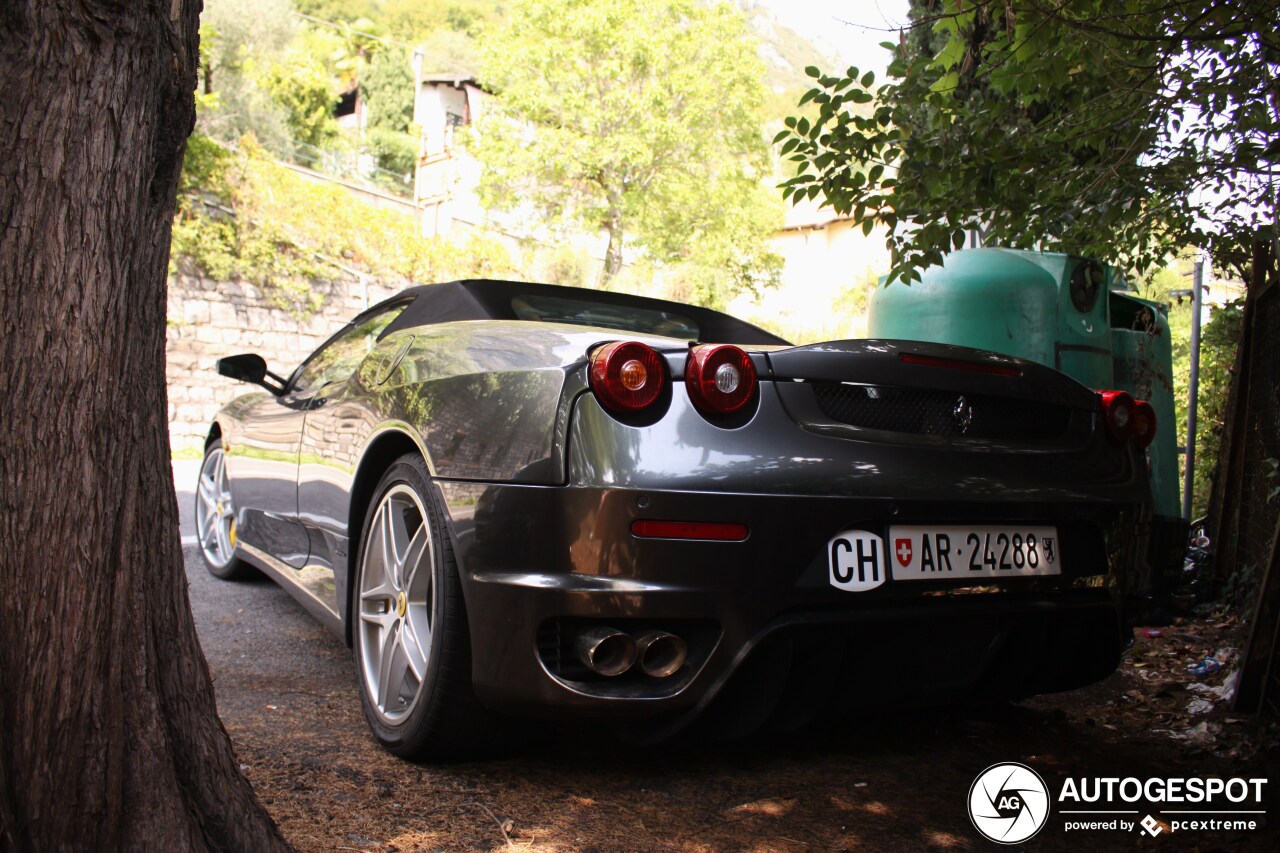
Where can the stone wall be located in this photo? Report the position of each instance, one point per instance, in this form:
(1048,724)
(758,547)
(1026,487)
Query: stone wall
(211,319)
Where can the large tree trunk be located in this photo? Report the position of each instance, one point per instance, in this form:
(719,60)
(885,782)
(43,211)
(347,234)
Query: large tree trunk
(108,733)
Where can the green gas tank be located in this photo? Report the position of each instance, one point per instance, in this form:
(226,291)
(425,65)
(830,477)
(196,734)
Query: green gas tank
(1064,311)
(1048,308)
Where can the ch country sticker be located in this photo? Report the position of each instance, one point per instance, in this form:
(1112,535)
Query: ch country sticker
(857,561)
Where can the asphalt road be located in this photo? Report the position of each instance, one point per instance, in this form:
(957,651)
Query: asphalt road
(260,643)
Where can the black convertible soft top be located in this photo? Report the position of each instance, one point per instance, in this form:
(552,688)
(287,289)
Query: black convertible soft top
(491,299)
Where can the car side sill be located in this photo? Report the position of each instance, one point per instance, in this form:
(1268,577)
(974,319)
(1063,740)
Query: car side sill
(287,578)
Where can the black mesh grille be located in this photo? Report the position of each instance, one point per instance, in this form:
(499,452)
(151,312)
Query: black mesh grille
(924,411)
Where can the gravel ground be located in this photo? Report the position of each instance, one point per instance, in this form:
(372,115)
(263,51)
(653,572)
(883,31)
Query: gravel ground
(286,693)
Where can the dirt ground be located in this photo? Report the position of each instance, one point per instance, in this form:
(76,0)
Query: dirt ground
(286,693)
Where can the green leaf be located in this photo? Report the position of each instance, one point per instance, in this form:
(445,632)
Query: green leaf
(946,84)
(813,71)
(951,54)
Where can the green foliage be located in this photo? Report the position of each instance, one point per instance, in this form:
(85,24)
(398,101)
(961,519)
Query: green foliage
(413,21)
(1114,131)
(395,152)
(562,264)
(387,89)
(239,41)
(304,89)
(204,169)
(637,118)
(1219,338)
(243,217)
(339,10)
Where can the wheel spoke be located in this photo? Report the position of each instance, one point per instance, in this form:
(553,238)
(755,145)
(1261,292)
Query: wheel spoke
(377,607)
(381,618)
(382,524)
(224,537)
(415,655)
(208,491)
(204,524)
(397,542)
(374,571)
(387,668)
(382,592)
(418,547)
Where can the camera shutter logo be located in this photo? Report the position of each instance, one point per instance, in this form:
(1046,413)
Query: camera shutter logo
(1008,803)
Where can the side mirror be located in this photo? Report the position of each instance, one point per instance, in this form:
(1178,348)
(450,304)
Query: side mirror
(252,368)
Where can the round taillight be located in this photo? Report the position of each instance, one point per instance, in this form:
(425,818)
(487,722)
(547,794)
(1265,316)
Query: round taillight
(720,378)
(626,376)
(1120,413)
(1144,430)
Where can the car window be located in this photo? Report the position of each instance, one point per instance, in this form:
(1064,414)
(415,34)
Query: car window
(340,357)
(584,312)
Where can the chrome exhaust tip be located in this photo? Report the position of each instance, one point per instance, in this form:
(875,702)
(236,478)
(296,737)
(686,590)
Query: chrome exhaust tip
(606,651)
(661,654)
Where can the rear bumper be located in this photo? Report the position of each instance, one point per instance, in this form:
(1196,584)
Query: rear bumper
(539,563)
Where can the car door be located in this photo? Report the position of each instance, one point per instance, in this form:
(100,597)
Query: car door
(265,455)
(262,461)
(336,424)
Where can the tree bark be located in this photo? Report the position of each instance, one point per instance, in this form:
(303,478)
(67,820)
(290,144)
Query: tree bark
(613,253)
(109,738)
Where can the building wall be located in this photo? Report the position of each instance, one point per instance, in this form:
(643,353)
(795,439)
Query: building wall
(211,319)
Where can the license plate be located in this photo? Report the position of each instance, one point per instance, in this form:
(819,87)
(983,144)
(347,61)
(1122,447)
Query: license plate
(934,552)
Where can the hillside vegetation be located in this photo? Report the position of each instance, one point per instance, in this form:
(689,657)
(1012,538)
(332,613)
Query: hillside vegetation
(272,73)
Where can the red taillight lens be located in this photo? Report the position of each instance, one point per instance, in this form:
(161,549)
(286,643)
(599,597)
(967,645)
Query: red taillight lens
(720,378)
(627,376)
(1120,413)
(702,530)
(1144,431)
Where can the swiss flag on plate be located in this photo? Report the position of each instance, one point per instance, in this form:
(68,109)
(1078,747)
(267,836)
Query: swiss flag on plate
(902,550)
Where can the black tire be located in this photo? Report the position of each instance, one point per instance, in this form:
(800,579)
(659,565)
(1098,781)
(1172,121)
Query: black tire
(439,717)
(215,519)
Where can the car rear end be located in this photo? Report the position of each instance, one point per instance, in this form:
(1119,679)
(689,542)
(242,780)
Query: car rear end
(788,528)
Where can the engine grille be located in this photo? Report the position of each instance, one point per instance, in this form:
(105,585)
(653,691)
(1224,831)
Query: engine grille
(923,411)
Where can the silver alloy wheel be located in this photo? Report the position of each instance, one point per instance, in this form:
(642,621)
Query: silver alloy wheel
(397,594)
(215,514)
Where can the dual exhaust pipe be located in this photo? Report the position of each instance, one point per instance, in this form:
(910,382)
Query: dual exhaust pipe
(609,652)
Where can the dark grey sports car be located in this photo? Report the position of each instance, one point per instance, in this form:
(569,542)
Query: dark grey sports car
(536,500)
